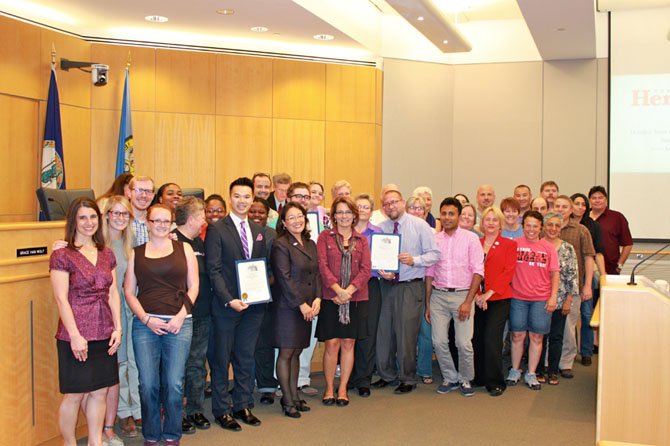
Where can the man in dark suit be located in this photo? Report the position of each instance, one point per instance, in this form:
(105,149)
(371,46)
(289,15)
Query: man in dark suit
(236,325)
(277,198)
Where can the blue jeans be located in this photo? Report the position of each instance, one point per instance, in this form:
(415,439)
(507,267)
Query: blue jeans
(194,383)
(586,332)
(424,360)
(161,361)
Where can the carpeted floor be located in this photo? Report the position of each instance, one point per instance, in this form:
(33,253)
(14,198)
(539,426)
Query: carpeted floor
(555,415)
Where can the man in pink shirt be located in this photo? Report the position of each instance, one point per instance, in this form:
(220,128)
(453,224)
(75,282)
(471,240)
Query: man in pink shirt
(451,285)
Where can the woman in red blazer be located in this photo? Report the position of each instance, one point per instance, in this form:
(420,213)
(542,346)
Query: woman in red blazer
(493,302)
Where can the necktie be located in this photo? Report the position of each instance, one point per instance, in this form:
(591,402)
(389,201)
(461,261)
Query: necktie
(279,208)
(396,279)
(245,242)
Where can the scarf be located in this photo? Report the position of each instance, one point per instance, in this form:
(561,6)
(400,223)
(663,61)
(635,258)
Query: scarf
(345,274)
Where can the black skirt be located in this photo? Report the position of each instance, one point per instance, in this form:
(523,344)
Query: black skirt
(98,371)
(329,326)
(291,330)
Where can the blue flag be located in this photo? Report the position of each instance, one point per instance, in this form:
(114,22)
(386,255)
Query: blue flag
(53,162)
(125,157)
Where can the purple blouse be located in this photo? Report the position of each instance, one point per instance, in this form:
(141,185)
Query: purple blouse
(88,292)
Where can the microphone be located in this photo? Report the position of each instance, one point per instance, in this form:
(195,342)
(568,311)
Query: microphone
(632,274)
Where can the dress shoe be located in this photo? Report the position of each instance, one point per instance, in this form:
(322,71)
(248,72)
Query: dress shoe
(199,421)
(267,398)
(380,384)
(228,422)
(404,388)
(567,374)
(187,427)
(496,391)
(586,360)
(291,411)
(247,417)
(364,392)
(301,405)
(128,427)
(342,402)
(330,401)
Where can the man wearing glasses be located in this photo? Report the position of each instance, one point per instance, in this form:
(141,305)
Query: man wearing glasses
(403,294)
(140,193)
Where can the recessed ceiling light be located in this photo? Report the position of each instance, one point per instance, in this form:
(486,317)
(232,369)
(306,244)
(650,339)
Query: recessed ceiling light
(560,29)
(420,18)
(156,18)
(324,37)
(259,29)
(445,41)
(225,11)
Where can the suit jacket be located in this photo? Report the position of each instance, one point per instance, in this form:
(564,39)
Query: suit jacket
(272,202)
(222,248)
(296,272)
(499,268)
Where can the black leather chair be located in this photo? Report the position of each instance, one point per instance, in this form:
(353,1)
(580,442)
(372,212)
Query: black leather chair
(54,202)
(194,191)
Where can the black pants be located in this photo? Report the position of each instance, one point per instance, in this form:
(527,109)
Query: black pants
(264,357)
(555,342)
(365,351)
(488,343)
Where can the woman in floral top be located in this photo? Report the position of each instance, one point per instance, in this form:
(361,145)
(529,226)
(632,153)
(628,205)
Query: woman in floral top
(568,288)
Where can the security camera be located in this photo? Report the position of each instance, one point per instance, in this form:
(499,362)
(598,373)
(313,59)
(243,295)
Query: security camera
(99,74)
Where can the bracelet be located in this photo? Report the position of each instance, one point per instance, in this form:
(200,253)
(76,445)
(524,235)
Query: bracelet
(146,321)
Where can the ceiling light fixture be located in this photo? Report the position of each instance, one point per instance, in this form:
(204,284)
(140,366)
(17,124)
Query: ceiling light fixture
(420,18)
(445,41)
(225,11)
(156,19)
(324,37)
(259,29)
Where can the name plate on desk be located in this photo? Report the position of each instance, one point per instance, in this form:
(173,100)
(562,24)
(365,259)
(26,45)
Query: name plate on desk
(29,252)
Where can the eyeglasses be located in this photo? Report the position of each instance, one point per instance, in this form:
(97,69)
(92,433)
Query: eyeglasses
(161,222)
(347,212)
(117,214)
(417,208)
(293,218)
(300,196)
(140,191)
(391,203)
(364,207)
(215,211)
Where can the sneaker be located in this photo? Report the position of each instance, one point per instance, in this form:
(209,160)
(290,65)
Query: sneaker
(466,389)
(513,376)
(446,387)
(114,441)
(308,390)
(532,382)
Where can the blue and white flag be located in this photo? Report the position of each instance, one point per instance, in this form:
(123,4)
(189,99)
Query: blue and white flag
(53,162)
(125,156)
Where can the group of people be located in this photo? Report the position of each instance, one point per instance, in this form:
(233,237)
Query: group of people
(148,294)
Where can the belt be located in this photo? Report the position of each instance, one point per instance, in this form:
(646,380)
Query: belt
(412,280)
(451,290)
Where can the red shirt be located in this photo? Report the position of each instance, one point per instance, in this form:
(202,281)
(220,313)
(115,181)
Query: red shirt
(616,233)
(535,261)
(499,267)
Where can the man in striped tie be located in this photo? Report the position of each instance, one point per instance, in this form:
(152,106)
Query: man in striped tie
(236,325)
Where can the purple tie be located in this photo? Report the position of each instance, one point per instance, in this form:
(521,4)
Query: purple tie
(245,242)
(396,279)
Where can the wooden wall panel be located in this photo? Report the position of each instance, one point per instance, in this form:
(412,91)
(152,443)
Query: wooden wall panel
(378,164)
(145,137)
(19,58)
(186,154)
(76,128)
(350,156)
(350,93)
(104,137)
(243,147)
(142,77)
(19,170)
(186,81)
(379,96)
(74,86)
(298,149)
(298,89)
(243,86)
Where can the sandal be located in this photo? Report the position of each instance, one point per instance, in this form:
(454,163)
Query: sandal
(553,379)
(427,379)
(541,378)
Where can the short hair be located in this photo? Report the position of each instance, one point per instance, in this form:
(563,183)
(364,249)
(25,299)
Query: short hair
(467,200)
(538,198)
(550,215)
(532,214)
(138,179)
(366,197)
(566,198)
(281,227)
(510,202)
(469,205)
(157,206)
(549,183)
(491,210)
(452,201)
(414,199)
(316,183)
(187,207)
(296,185)
(264,202)
(281,178)
(216,197)
(71,223)
(350,204)
(523,186)
(242,181)
(127,233)
(596,189)
(339,184)
(422,190)
(261,175)
(160,191)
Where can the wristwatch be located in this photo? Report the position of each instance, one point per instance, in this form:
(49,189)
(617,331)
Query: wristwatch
(619,265)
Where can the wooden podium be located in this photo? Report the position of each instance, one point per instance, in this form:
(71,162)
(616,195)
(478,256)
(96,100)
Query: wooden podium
(633,402)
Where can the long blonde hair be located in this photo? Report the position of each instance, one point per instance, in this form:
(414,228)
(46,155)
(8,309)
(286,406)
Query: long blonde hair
(126,234)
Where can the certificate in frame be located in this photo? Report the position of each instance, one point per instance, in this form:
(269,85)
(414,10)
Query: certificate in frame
(384,251)
(314,225)
(252,281)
